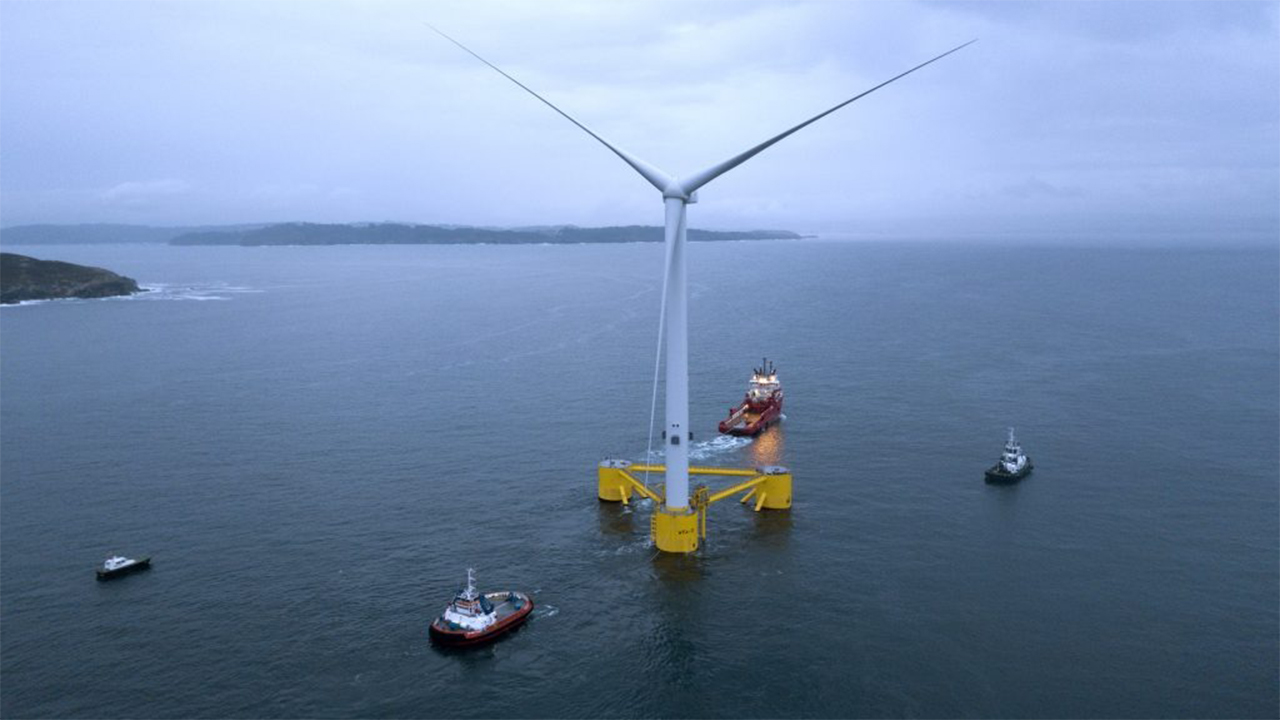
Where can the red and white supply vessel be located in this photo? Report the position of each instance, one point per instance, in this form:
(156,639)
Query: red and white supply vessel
(760,408)
(474,617)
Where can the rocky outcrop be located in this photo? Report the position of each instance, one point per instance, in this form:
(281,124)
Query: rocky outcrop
(26,278)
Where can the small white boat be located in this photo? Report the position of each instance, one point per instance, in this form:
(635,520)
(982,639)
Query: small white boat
(118,565)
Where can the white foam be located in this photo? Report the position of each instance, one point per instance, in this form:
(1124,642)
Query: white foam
(162,291)
(197,291)
(20,303)
(639,546)
(704,449)
(717,445)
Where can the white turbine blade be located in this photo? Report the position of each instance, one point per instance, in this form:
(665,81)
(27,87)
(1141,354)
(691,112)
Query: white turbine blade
(699,179)
(656,177)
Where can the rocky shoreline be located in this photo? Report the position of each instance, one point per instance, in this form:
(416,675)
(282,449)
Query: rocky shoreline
(25,278)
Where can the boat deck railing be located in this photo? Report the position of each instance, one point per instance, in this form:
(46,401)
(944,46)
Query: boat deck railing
(504,608)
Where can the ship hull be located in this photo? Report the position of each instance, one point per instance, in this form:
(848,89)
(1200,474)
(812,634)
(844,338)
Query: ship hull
(143,564)
(441,634)
(997,475)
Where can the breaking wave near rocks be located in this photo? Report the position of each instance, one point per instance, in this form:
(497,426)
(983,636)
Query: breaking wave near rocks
(194,291)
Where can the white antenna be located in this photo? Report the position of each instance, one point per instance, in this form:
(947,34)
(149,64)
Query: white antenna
(470,593)
(677,194)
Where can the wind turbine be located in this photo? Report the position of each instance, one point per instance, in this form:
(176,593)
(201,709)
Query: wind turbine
(677,194)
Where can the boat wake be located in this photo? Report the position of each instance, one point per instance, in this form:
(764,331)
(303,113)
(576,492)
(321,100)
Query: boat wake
(706,449)
(717,445)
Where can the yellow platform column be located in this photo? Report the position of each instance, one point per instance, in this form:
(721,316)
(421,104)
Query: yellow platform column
(675,530)
(614,486)
(776,489)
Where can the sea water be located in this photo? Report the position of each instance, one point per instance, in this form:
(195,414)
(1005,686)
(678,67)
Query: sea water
(314,444)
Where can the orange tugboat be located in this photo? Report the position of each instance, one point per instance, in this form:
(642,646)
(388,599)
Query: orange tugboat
(760,408)
(473,618)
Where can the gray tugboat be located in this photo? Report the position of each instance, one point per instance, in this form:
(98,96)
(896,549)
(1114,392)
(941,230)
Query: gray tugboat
(117,565)
(1013,465)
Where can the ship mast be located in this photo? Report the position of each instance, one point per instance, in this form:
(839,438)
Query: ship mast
(470,593)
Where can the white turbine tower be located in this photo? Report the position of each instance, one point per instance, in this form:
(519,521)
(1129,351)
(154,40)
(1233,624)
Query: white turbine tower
(677,194)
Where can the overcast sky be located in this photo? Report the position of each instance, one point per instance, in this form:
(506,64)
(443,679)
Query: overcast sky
(1065,117)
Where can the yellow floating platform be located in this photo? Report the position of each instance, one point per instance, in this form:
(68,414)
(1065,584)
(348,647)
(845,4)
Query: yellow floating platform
(678,530)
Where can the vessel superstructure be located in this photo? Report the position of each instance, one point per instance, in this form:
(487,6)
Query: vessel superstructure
(760,407)
(1013,464)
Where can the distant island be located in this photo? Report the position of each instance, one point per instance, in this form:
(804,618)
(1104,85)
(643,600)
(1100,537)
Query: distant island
(101,234)
(26,278)
(359,234)
(401,234)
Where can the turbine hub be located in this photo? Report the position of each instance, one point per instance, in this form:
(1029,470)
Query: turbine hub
(676,190)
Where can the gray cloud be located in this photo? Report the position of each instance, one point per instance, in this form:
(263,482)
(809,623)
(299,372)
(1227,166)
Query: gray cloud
(145,192)
(1063,115)
(1037,187)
